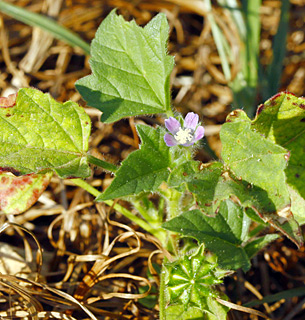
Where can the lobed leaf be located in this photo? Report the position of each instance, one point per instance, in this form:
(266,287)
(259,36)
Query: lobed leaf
(142,170)
(222,234)
(282,120)
(130,69)
(262,163)
(39,134)
(256,160)
(213,183)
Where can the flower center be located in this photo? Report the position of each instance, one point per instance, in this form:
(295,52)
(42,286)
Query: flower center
(184,135)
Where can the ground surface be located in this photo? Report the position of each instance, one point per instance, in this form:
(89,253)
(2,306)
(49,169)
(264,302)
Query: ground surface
(74,231)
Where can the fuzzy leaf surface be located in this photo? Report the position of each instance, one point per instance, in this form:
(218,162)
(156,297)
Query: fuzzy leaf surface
(130,68)
(213,183)
(282,120)
(262,163)
(222,234)
(178,312)
(253,247)
(255,159)
(39,134)
(143,169)
(17,194)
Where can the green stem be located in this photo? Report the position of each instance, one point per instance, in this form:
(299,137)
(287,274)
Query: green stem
(159,233)
(142,211)
(170,112)
(162,302)
(103,164)
(86,186)
(173,198)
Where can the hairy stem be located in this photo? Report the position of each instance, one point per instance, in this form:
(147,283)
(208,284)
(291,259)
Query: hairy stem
(162,301)
(159,233)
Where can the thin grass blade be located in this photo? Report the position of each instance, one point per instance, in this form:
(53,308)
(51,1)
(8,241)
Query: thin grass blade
(274,70)
(45,23)
(220,41)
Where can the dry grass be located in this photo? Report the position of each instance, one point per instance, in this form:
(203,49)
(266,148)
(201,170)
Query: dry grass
(94,261)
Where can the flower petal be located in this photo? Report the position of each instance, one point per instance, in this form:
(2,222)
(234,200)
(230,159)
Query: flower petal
(172,125)
(191,120)
(199,133)
(170,140)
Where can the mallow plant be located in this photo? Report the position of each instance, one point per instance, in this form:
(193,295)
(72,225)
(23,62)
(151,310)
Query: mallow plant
(205,212)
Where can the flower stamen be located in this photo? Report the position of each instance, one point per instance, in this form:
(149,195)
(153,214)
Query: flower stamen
(184,135)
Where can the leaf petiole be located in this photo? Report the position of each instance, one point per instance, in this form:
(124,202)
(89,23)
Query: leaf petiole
(159,233)
(103,164)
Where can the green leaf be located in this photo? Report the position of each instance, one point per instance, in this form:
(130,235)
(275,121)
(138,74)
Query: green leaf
(151,300)
(262,163)
(217,310)
(177,312)
(205,181)
(212,183)
(144,169)
(282,120)
(297,205)
(256,245)
(17,194)
(130,69)
(255,159)
(222,234)
(39,134)
(287,294)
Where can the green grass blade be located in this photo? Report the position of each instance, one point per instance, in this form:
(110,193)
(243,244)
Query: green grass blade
(274,70)
(45,23)
(252,17)
(236,14)
(220,41)
(247,22)
(287,294)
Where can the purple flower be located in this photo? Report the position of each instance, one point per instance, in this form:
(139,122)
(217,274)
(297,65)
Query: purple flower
(186,135)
